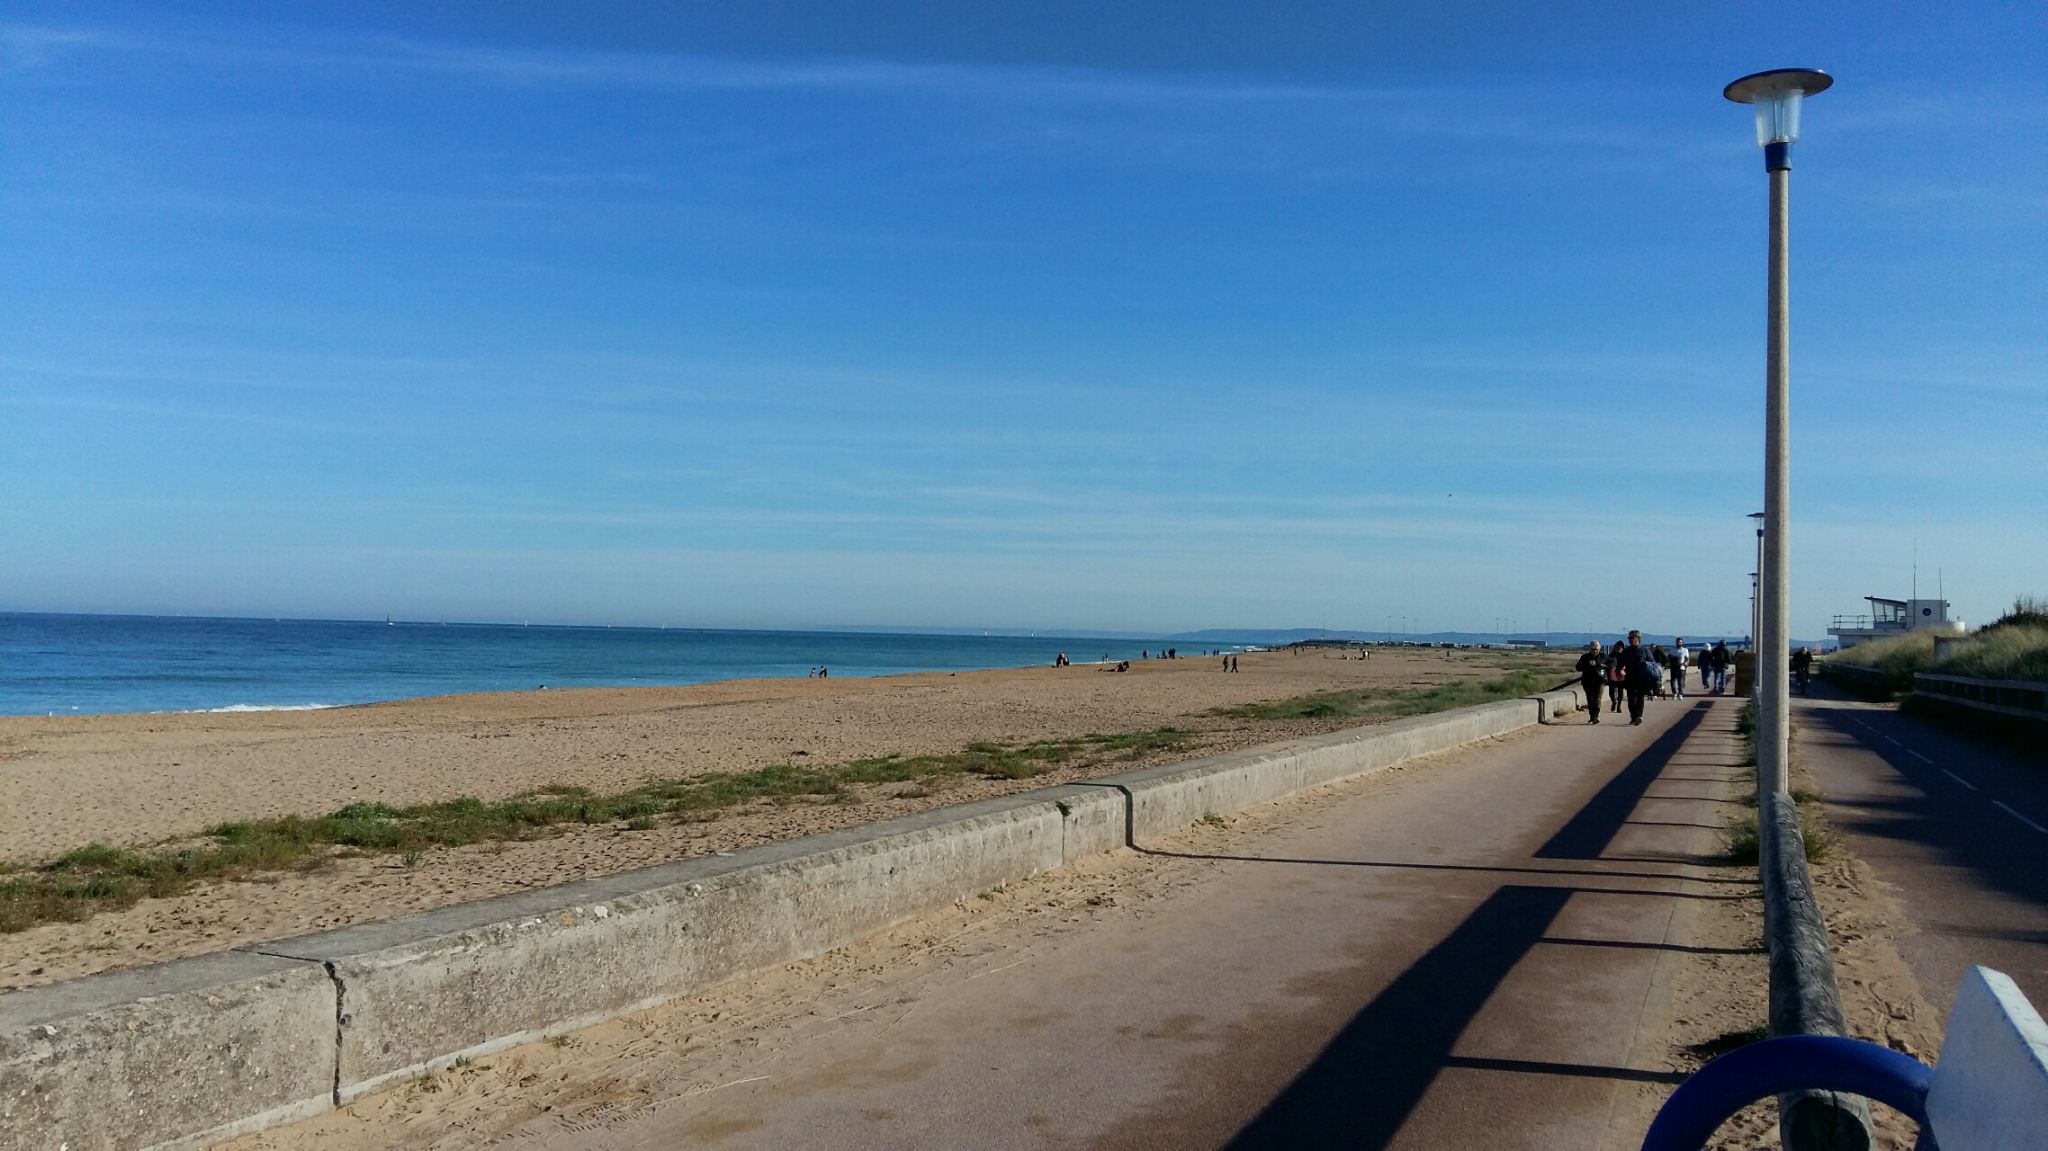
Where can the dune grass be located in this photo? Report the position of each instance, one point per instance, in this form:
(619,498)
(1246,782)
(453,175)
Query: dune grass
(1395,702)
(88,880)
(2015,646)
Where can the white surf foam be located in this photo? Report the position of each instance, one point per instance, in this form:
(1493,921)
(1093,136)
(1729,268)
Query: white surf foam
(262,707)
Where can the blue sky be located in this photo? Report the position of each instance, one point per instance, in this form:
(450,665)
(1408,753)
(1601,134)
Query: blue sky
(1160,317)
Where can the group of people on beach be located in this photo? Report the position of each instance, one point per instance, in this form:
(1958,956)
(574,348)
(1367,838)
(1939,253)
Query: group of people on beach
(1630,672)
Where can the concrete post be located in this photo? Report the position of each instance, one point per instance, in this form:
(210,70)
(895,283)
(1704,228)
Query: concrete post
(1773,743)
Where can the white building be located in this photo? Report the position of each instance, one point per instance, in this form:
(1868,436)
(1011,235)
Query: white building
(1894,617)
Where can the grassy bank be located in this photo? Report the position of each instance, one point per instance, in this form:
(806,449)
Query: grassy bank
(84,882)
(1386,703)
(2015,646)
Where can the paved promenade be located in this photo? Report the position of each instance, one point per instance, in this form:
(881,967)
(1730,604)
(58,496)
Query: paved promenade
(1469,951)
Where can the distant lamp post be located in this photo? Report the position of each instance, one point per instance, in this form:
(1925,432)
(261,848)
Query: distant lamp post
(1758,518)
(1776,96)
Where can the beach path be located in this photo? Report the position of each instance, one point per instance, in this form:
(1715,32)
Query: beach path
(1475,949)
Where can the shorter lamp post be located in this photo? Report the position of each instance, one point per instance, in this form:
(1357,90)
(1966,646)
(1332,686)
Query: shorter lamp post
(1758,519)
(1752,625)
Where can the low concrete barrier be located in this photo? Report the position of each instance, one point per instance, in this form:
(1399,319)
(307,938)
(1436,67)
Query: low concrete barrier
(180,1054)
(1168,798)
(195,1050)
(1804,998)
(420,992)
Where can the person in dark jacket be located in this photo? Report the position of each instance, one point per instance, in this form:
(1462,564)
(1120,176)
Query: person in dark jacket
(1592,668)
(1635,666)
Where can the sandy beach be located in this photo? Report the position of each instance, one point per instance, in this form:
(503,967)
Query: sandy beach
(143,779)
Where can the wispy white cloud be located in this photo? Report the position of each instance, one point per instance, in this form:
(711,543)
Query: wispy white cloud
(1529,112)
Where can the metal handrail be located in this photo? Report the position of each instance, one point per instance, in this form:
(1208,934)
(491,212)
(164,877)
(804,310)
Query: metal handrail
(1777,1066)
(1870,623)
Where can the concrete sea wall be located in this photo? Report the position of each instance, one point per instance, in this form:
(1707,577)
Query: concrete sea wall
(196,1050)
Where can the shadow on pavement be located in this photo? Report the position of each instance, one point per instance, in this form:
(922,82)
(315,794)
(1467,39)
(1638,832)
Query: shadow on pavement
(1588,833)
(1566,872)
(1362,1086)
(1574,1070)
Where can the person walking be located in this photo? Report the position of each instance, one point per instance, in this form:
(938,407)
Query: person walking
(1617,677)
(1592,668)
(1638,676)
(1660,670)
(1681,658)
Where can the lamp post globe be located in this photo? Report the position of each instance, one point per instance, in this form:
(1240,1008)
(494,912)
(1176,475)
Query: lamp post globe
(1776,94)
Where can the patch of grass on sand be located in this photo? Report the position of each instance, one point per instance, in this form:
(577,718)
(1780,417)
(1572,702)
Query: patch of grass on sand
(88,880)
(1382,703)
(1741,844)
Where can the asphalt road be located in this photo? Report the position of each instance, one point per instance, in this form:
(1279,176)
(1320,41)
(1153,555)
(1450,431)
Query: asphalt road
(1956,827)
(1462,954)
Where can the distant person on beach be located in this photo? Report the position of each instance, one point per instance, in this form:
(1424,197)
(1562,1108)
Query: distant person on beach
(1060,660)
(1681,658)
(1592,667)
(1617,677)
(1640,678)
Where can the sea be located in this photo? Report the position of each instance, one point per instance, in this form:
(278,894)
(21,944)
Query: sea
(87,664)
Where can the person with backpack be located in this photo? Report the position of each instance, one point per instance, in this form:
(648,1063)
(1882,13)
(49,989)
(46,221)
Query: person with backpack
(1639,678)
(1592,669)
(1660,670)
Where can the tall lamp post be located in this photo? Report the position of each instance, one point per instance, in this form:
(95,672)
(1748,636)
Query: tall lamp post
(1776,96)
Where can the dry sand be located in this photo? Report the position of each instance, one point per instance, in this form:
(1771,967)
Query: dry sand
(139,779)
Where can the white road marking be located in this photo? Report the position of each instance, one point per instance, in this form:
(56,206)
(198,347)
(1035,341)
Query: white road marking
(1958,779)
(1918,756)
(2018,816)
